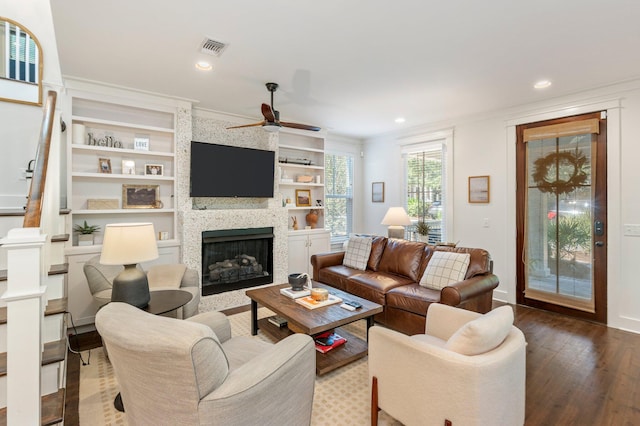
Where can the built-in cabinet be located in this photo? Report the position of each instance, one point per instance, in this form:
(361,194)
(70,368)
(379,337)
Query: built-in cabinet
(303,246)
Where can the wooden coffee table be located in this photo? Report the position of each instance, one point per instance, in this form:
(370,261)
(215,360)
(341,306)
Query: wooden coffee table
(314,321)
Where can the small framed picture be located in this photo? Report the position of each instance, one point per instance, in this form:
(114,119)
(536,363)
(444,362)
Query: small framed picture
(153,169)
(377,192)
(128,167)
(104,165)
(303,198)
(141,142)
(141,197)
(479,190)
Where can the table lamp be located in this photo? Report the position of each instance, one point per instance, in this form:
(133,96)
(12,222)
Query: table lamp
(129,244)
(396,218)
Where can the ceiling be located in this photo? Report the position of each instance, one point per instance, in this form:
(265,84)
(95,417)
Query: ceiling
(352,67)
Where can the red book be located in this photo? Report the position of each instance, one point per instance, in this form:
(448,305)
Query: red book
(327,341)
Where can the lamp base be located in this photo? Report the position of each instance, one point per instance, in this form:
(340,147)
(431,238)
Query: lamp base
(396,231)
(131,286)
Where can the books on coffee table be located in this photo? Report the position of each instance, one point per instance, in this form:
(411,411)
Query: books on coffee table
(294,294)
(327,341)
(311,303)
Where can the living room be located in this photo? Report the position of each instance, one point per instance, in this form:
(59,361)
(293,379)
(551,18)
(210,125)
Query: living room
(482,143)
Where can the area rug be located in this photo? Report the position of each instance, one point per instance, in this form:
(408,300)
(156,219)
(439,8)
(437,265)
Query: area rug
(341,397)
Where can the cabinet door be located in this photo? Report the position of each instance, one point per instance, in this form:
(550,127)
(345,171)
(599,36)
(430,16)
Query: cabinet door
(299,259)
(318,243)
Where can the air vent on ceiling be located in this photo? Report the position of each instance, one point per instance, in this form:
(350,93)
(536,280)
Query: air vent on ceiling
(212,47)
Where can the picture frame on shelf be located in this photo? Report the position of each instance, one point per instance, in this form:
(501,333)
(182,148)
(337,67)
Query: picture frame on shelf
(377,192)
(153,170)
(141,142)
(104,165)
(303,198)
(479,189)
(128,167)
(141,196)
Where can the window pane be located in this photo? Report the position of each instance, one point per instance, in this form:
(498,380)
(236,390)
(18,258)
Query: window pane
(339,195)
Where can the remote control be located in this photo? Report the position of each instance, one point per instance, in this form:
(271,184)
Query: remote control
(353,304)
(347,307)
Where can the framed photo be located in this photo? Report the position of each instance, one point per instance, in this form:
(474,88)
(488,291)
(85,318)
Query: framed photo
(141,196)
(128,167)
(141,142)
(377,192)
(104,165)
(303,198)
(153,169)
(479,190)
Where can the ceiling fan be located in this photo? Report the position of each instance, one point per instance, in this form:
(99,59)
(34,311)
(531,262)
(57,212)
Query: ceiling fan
(271,122)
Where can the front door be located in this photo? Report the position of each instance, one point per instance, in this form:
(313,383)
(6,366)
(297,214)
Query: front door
(561,215)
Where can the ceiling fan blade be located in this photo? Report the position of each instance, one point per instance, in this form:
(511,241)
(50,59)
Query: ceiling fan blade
(268,113)
(300,126)
(247,125)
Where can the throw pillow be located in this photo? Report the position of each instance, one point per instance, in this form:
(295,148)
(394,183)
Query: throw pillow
(357,253)
(445,268)
(482,334)
(165,276)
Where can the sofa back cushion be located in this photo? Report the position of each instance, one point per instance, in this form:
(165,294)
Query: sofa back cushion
(402,257)
(377,248)
(444,269)
(479,262)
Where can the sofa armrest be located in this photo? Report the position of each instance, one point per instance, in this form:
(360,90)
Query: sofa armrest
(324,260)
(457,293)
(190,278)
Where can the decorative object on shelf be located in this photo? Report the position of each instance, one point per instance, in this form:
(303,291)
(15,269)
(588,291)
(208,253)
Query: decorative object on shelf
(396,219)
(163,235)
(303,198)
(377,192)
(141,142)
(78,134)
(129,244)
(140,196)
(299,161)
(85,233)
(153,169)
(298,280)
(294,224)
(128,167)
(422,229)
(304,179)
(318,179)
(560,172)
(102,204)
(312,219)
(479,189)
(104,165)
(318,203)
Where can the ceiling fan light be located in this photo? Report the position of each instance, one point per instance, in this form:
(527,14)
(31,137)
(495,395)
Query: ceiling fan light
(272,127)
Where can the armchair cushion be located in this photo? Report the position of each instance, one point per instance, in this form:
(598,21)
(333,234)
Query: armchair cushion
(166,276)
(445,268)
(357,254)
(482,334)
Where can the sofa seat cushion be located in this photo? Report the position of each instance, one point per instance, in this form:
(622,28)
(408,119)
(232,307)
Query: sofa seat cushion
(337,276)
(413,298)
(374,285)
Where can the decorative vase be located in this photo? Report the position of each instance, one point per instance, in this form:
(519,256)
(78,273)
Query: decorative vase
(423,238)
(85,239)
(312,219)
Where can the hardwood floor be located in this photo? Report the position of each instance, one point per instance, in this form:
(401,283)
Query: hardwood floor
(578,372)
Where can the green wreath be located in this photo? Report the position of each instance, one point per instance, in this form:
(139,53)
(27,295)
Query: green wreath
(550,172)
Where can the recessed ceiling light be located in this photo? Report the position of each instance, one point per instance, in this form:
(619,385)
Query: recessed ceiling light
(204,66)
(542,84)
(400,120)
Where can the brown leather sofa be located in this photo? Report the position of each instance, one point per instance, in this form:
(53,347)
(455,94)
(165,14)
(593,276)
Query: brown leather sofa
(391,279)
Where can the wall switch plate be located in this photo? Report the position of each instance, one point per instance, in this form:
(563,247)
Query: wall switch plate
(632,230)
(485,222)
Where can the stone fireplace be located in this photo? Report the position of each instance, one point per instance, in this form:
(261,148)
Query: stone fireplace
(234,259)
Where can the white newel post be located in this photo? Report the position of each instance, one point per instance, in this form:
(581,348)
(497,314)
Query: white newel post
(25,314)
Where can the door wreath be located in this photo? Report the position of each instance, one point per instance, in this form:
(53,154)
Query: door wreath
(560,172)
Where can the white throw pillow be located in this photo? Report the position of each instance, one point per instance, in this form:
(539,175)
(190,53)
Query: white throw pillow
(357,254)
(482,334)
(445,268)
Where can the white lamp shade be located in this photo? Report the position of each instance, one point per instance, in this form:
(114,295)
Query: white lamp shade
(128,243)
(396,216)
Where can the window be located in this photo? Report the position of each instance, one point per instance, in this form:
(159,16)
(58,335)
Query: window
(339,196)
(425,178)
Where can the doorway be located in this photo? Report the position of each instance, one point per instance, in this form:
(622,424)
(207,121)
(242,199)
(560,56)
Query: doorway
(561,215)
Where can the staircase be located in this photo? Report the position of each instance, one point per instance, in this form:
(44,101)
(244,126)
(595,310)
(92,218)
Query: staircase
(33,285)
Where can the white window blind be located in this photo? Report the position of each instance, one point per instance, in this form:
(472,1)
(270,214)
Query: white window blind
(338,169)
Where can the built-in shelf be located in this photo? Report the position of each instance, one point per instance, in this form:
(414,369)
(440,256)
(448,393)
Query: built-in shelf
(133,127)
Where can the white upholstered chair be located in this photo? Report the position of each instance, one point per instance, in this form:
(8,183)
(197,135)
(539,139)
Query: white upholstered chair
(192,372)
(161,277)
(467,369)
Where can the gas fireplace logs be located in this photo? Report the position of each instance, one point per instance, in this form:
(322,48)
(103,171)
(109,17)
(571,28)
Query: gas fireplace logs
(241,267)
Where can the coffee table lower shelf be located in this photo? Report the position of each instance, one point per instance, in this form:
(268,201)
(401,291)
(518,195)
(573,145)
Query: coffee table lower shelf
(354,348)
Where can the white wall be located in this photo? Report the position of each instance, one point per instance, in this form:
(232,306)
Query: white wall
(20,124)
(483,146)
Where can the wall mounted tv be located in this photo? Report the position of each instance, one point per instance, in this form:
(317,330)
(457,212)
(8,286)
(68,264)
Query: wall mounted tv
(231,171)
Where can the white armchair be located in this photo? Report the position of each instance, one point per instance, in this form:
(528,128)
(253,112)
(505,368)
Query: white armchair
(192,372)
(467,369)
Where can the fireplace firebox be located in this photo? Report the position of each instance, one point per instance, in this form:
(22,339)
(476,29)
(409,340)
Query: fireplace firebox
(233,259)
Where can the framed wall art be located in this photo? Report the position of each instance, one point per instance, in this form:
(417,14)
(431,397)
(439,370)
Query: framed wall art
(104,165)
(479,190)
(141,196)
(141,142)
(128,167)
(303,198)
(377,192)
(153,169)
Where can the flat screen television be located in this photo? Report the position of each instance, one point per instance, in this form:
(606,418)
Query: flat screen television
(231,171)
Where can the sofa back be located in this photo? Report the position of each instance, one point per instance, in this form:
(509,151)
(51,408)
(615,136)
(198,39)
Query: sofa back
(402,257)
